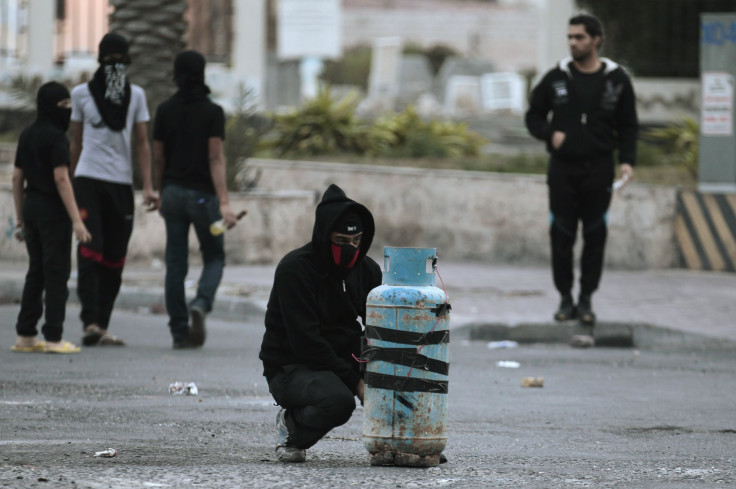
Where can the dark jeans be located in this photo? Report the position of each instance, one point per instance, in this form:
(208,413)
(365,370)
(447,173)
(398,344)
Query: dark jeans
(107,211)
(182,207)
(315,401)
(48,238)
(579,191)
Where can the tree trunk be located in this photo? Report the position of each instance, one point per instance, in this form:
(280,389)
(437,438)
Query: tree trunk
(155,30)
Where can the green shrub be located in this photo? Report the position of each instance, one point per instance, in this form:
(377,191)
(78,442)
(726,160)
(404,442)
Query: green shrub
(431,139)
(320,126)
(679,142)
(323,126)
(415,138)
(243,131)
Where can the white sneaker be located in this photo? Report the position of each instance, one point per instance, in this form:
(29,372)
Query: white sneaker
(291,454)
(285,453)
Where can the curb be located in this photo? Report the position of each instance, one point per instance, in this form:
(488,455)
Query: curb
(607,334)
(150,300)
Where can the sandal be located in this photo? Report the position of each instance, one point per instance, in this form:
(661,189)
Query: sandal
(37,348)
(110,340)
(64,347)
(92,335)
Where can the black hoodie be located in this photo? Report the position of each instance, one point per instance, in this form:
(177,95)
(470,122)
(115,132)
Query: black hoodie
(592,133)
(312,314)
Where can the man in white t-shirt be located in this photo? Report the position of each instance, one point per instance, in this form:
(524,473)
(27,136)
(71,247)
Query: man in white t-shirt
(105,112)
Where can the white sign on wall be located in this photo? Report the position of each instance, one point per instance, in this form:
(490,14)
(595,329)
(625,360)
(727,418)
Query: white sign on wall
(309,28)
(717,108)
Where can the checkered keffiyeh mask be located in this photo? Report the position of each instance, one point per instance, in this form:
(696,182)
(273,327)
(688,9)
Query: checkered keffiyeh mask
(115,82)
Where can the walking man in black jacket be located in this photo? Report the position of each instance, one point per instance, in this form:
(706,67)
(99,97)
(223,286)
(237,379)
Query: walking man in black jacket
(593,114)
(312,339)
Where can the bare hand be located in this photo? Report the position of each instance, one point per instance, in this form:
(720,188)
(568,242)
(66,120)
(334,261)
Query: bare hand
(151,201)
(360,391)
(229,218)
(558,138)
(19,231)
(627,172)
(80,231)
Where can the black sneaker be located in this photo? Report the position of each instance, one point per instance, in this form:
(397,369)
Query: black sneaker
(183,344)
(567,309)
(585,311)
(197,332)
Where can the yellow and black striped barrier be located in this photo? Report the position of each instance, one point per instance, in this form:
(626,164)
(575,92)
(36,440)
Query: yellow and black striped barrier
(705,230)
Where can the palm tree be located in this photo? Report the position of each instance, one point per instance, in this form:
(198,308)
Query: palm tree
(155,30)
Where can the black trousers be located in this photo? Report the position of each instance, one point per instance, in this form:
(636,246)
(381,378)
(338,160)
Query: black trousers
(48,238)
(315,401)
(107,211)
(579,191)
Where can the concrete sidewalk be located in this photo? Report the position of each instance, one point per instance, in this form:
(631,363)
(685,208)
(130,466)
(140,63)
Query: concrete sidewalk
(490,301)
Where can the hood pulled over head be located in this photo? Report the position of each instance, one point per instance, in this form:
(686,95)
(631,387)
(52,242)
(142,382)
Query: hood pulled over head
(336,212)
(189,75)
(47,102)
(112,44)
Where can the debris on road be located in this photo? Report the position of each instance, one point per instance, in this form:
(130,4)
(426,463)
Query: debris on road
(183,389)
(109,453)
(532,382)
(508,364)
(582,341)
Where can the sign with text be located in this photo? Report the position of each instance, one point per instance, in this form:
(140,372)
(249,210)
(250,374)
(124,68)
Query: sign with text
(717,108)
(309,29)
(717,139)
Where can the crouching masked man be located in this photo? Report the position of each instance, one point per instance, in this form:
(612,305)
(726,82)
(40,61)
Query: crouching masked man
(313,325)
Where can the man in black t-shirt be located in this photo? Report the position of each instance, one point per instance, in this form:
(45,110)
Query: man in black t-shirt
(188,134)
(593,114)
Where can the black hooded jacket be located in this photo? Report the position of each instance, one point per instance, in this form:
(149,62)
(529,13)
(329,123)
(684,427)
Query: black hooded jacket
(592,132)
(312,314)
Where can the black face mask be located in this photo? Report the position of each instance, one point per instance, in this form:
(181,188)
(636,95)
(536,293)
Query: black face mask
(344,256)
(49,96)
(61,118)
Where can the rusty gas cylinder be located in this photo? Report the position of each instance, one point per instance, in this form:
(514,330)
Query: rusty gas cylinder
(406,362)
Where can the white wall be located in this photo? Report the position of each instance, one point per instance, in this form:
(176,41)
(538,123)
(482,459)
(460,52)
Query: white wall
(465,215)
(479,215)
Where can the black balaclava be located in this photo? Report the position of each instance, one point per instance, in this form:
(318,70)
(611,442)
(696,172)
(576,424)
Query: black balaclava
(189,76)
(327,217)
(345,256)
(109,86)
(47,102)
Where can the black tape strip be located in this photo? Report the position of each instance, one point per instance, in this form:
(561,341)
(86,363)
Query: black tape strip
(442,309)
(405,356)
(407,337)
(405,384)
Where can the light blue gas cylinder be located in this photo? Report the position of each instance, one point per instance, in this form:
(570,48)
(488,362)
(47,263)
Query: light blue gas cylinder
(407,362)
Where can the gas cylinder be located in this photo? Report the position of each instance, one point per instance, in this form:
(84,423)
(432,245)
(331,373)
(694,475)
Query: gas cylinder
(406,362)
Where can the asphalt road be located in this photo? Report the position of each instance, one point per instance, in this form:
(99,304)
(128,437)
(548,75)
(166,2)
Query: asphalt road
(605,417)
